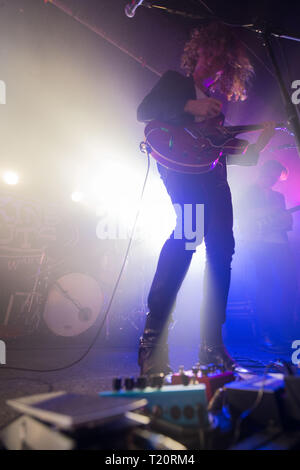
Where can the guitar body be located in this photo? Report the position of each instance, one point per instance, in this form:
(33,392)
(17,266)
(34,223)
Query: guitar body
(194,148)
(264,221)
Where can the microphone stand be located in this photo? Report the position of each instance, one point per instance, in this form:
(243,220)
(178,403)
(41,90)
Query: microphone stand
(290,108)
(172,11)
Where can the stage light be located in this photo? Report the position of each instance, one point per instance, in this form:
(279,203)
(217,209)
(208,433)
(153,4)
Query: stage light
(10,177)
(76,196)
(115,191)
(284,175)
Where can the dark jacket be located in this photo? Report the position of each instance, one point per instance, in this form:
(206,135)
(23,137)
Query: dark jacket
(167,99)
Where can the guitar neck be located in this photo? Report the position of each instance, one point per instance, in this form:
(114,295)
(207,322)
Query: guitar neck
(294,209)
(249,128)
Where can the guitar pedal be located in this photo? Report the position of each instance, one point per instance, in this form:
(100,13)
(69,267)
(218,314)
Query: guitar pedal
(178,404)
(211,376)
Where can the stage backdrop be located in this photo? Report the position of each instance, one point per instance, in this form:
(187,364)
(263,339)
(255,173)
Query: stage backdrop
(56,274)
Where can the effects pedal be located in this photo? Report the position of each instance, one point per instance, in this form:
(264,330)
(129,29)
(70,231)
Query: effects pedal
(212,376)
(184,405)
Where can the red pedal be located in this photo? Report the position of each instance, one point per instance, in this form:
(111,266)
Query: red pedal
(212,381)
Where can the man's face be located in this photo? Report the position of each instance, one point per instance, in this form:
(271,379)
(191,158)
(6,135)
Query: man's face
(269,179)
(207,70)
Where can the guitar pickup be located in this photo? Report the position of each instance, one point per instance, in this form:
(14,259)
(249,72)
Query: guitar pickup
(171,142)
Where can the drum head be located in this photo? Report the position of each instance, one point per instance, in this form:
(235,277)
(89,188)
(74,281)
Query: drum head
(73,304)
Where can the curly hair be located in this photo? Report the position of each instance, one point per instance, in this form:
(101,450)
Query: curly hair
(217,42)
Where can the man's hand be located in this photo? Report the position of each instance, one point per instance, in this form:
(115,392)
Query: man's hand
(205,108)
(265,136)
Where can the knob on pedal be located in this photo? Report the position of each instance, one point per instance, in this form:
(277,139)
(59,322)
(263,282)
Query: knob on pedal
(141,382)
(175,412)
(195,371)
(117,384)
(184,378)
(189,412)
(129,383)
(157,380)
(157,411)
(204,370)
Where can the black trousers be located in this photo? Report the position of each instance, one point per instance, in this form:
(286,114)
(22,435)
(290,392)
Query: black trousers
(175,258)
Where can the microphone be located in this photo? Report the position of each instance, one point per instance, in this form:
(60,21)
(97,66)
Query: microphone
(131,7)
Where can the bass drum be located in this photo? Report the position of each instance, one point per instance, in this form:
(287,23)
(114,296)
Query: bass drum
(73,304)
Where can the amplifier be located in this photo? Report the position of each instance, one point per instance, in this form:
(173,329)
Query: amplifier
(292,395)
(243,395)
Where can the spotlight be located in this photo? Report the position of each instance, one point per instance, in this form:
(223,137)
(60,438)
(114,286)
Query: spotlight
(10,177)
(76,196)
(284,175)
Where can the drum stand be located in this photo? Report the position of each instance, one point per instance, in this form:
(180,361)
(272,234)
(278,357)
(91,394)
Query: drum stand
(31,312)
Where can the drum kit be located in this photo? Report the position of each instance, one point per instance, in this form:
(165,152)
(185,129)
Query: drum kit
(67,305)
(73,304)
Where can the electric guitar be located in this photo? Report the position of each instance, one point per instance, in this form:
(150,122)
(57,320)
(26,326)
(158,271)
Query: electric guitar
(196,147)
(270,220)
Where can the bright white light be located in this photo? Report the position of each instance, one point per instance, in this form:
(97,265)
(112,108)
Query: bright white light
(10,177)
(116,188)
(76,196)
(113,189)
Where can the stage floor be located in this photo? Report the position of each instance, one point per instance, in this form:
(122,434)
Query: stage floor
(96,371)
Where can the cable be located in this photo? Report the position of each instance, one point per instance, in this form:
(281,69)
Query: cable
(68,11)
(206,7)
(248,362)
(245,414)
(113,292)
(184,14)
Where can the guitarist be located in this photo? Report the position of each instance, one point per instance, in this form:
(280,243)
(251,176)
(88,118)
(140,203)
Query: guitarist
(213,59)
(264,224)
